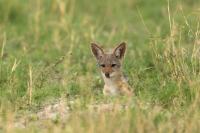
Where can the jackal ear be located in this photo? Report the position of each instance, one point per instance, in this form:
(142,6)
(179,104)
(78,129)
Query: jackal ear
(119,51)
(96,50)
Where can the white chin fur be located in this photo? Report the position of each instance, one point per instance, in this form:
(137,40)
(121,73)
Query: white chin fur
(112,74)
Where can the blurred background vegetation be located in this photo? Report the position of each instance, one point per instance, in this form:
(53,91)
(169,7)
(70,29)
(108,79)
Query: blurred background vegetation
(45,55)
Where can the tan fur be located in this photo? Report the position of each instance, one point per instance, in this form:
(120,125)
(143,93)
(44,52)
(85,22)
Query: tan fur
(110,66)
(116,85)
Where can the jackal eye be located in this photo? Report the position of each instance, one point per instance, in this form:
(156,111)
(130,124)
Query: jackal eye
(102,65)
(113,65)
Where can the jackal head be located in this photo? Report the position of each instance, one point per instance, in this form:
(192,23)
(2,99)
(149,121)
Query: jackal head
(109,63)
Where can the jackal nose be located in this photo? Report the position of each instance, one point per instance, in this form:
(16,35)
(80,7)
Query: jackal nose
(107,75)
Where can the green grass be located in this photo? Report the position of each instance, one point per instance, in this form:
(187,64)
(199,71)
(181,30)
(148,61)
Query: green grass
(45,55)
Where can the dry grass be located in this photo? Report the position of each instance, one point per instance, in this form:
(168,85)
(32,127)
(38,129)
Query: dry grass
(49,81)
